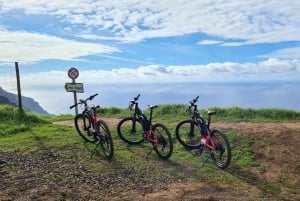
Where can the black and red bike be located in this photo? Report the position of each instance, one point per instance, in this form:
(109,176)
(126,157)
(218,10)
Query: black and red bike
(195,133)
(137,128)
(92,129)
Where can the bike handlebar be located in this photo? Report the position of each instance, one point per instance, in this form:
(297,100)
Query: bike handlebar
(194,100)
(134,101)
(92,96)
(84,101)
(137,97)
(192,103)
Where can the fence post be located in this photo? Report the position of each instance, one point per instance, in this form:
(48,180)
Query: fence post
(18,86)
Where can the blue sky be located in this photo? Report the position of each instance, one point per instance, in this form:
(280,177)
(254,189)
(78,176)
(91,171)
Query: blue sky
(137,43)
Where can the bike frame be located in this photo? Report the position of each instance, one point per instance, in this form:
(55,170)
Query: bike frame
(95,119)
(90,112)
(200,122)
(92,116)
(150,134)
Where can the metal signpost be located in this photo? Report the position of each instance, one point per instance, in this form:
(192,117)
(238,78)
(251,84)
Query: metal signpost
(74,87)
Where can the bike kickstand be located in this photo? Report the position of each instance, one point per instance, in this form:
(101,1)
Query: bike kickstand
(149,152)
(205,160)
(95,150)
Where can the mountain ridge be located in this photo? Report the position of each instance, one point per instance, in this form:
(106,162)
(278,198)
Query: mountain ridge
(28,103)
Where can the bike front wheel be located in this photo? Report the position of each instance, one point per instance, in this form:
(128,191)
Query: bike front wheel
(130,130)
(188,134)
(222,155)
(83,125)
(164,147)
(105,141)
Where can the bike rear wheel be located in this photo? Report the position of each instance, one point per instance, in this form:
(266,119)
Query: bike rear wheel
(83,125)
(222,155)
(130,130)
(105,141)
(164,147)
(188,134)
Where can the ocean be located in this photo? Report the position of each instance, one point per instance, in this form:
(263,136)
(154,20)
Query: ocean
(262,94)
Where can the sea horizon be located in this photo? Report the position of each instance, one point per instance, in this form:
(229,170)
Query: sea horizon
(259,94)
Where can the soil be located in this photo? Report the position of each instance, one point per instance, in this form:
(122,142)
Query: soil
(275,148)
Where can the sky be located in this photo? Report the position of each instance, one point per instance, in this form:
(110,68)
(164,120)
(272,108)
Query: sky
(167,50)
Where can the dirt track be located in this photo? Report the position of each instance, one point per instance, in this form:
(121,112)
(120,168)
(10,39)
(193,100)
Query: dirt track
(275,147)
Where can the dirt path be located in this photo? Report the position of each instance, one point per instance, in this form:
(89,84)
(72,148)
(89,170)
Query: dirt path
(112,122)
(275,147)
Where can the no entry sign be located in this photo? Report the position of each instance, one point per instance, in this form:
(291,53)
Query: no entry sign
(73,73)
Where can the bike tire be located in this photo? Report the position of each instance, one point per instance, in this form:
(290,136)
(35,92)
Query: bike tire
(222,155)
(106,141)
(188,134)
(130,130)
(164,147)
(83,125)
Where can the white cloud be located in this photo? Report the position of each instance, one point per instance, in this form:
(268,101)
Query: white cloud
(209,42)
(275,69)
(33,47)
(286,53)
(252,21)
(271,69)
(238,23)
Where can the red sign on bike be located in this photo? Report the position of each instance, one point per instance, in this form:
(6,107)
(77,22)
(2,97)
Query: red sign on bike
(73,73)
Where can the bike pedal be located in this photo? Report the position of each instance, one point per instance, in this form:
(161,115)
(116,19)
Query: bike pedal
(145,137)
(97,137)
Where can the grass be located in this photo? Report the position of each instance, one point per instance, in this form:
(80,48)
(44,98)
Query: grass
(257,115)
(241,148)
(175,112)
(24,132)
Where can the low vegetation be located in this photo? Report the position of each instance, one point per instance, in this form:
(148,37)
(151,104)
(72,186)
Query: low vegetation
(180,111)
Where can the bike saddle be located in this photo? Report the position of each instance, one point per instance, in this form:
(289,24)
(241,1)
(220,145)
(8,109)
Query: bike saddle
(210,112)
(152,106)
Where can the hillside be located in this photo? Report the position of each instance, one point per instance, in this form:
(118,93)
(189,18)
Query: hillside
(28,103)
(40,160)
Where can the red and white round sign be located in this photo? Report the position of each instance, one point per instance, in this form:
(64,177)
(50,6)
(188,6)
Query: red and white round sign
(73,73)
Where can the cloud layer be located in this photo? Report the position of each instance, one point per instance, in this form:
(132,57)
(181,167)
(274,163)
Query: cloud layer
(250,22)
(33,47)
(275,69)
(164,84)
(226,23)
